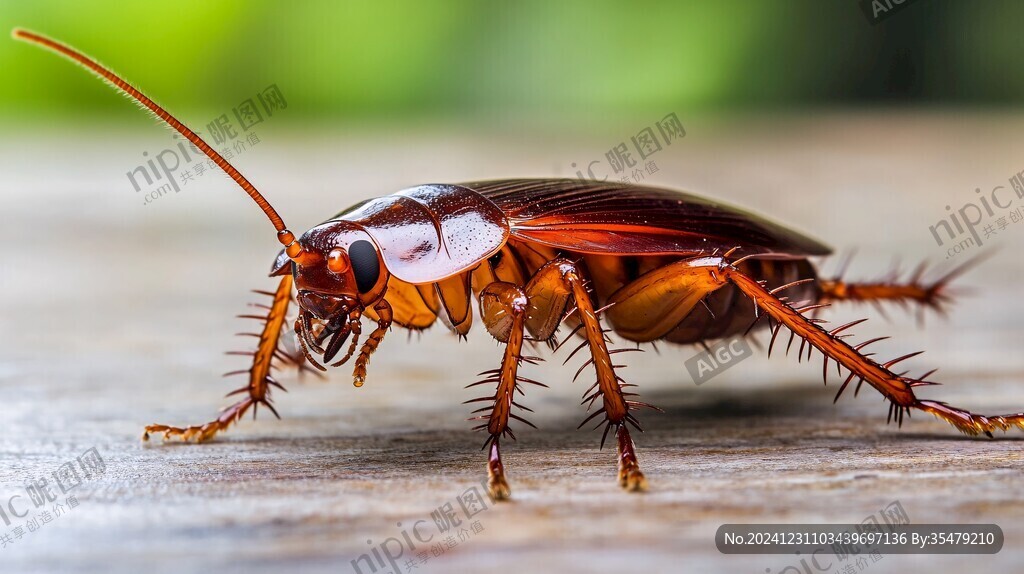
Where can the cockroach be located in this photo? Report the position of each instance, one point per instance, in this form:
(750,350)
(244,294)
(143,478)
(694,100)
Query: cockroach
(651,264)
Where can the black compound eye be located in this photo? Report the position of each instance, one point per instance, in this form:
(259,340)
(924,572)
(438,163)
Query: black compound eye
(495,259)
(365,264)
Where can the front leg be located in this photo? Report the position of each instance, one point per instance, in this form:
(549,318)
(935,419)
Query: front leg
(260,380)
(564,275)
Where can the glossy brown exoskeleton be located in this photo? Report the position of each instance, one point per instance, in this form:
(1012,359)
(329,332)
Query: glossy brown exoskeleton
(653,265)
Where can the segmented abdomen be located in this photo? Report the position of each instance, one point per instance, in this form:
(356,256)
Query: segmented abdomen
(727,311)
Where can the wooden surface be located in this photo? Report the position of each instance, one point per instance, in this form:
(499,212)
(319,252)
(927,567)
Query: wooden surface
(116,314)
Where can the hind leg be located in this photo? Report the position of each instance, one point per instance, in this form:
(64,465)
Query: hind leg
(649,307)
(897,389)
(913,290)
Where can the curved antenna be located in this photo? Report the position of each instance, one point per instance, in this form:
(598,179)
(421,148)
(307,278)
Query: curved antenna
(286,237)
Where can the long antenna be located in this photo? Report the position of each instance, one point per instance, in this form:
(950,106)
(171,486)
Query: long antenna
(284,236)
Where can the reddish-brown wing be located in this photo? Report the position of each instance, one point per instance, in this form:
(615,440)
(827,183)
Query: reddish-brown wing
(620,219)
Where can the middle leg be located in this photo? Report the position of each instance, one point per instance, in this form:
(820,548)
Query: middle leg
(503,308)
(552,287)
(539,308)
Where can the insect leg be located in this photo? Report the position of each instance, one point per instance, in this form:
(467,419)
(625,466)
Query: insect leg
(556,282)
(913,289)
(931,295)
(503,308)
(260,379)
(897,389)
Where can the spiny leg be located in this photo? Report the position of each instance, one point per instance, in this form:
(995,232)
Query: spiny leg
(260,379)
(539,307)
(650,306)
(914,289)
(896,388)
(503,307)
(562,275)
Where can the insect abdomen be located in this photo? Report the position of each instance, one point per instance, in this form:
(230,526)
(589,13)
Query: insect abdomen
(728,312)
(723,313)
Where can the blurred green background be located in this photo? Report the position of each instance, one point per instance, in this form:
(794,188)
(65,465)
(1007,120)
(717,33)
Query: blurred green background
(500,62)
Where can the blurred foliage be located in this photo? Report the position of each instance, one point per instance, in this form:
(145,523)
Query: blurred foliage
(534,58)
